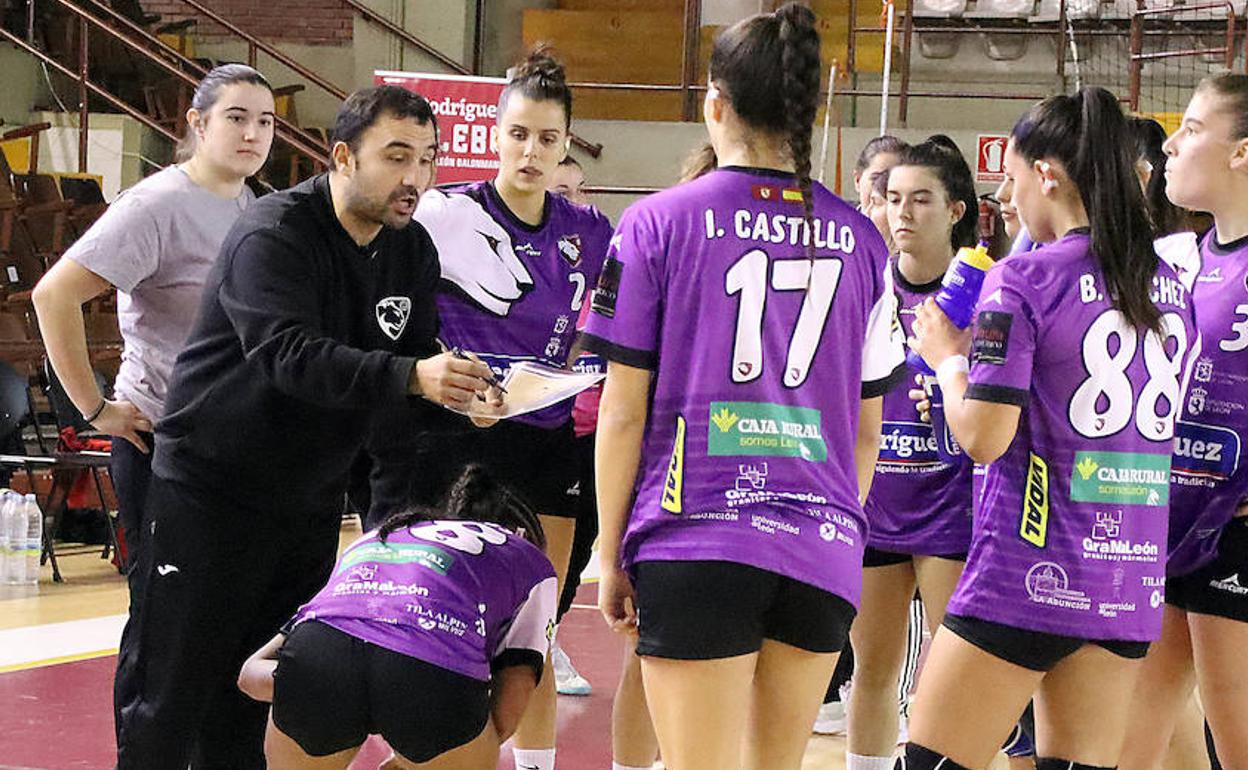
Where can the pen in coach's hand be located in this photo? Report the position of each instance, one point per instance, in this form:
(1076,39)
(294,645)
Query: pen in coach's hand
(492,380)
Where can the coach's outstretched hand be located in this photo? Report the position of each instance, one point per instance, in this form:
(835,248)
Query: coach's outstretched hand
(449,380)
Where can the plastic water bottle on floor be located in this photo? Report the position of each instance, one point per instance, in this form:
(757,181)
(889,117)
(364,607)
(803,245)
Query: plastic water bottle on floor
(33,519)
(15,534)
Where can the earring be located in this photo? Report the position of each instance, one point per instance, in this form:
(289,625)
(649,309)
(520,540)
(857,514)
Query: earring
(1049,185)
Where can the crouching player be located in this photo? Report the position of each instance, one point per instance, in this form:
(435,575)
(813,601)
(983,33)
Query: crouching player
(432,632)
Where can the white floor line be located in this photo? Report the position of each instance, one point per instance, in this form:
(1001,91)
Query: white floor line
(53,641)
(31,644)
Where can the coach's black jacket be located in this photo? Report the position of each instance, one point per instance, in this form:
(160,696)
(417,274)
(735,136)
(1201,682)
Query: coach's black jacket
(301,336)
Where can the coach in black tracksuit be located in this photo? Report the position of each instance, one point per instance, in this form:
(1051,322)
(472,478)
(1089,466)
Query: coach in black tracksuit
(319,313)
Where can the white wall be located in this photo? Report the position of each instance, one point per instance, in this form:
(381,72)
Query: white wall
(639,154)
(115,143)
(726,12)
(21,86)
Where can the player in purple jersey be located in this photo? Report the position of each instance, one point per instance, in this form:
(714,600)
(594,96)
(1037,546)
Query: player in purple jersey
(1205,628)
(517,265)
(1080,350)
(748,324)
(919,509)
(431,632)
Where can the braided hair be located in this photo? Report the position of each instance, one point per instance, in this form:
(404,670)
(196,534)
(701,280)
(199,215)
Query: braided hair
(769,66)
(475,496)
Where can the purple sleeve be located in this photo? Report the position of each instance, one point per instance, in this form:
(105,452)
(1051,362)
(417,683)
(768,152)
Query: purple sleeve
(1004,341)
(626,308)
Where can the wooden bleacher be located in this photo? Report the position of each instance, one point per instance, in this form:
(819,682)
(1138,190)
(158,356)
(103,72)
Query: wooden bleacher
(640,41)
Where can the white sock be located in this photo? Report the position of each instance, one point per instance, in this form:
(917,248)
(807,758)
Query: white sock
(534,759)
(863,762)
(618,766)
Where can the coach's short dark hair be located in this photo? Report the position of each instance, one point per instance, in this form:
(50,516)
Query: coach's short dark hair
(362,109)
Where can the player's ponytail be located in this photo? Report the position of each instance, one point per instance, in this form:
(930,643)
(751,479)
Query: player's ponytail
(699,163)
(1122,235)
(1087,134)
(476,496)
(541,78)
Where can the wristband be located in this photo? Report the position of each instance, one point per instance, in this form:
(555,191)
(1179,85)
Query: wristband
(949,367)
(95,415)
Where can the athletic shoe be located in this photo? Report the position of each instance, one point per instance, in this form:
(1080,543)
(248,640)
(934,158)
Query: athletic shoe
(567,680)
(831,719)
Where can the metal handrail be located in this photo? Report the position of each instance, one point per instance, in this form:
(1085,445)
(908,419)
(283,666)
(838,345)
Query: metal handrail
(255,43)
(312,151)
(308,140)
(146,120)
(1132,29)
(373,17)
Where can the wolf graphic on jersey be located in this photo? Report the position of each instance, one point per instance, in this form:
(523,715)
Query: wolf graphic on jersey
(476,253)
(511,290)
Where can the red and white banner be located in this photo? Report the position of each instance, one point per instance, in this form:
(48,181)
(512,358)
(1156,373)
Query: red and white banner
(990,158)
(467,110)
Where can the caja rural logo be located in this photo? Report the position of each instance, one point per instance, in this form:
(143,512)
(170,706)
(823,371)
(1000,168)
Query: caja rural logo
(1122,478)
(760,429)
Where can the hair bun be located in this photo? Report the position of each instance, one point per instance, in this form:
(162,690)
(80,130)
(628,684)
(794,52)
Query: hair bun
(796,15)
(540,63)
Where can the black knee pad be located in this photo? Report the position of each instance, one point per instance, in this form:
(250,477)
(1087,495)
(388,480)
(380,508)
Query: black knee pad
(1054,763)
(922,758)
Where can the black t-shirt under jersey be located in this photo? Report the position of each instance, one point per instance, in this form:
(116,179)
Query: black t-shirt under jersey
(301,335)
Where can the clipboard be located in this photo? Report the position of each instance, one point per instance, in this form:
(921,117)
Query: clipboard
(531,387)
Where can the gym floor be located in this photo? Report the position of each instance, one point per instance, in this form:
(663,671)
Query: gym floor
(58,652)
